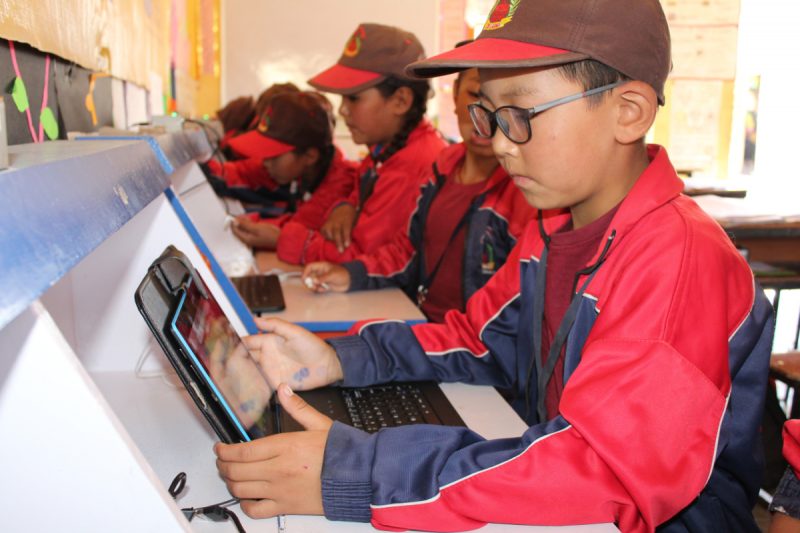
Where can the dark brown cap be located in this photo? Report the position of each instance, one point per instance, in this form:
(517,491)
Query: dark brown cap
(373,53)
(268,94)
(290,121)
(630,36)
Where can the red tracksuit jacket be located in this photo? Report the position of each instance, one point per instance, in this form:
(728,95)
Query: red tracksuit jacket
(312,211)
(493,228)
(665,377)
(386,209)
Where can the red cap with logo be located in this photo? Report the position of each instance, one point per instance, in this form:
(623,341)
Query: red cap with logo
(373,53)
(630,36)
(291,121)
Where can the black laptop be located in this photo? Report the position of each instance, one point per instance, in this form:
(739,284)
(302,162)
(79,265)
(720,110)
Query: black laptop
(228,386)
(261,292)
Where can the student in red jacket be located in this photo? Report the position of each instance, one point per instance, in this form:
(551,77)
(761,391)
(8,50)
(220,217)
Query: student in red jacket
(240,168)
(294,141)
(468,218)
(630,329)
(383,109)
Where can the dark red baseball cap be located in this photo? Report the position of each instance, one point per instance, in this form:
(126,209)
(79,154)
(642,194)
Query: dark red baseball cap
(291,121)
(373,53)
(630,36)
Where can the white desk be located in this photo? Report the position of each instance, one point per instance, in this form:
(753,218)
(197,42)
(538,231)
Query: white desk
(174,437)
(72,339)
(334,311)
(338,311)
(317,312)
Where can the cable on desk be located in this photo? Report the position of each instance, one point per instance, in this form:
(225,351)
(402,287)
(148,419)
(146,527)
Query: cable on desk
(141,374)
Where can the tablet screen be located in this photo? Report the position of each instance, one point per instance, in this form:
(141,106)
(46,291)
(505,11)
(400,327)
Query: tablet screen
(221,357)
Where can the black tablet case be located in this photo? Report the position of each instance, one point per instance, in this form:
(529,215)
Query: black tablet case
(156,298)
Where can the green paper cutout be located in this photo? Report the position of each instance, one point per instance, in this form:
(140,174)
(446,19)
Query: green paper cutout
(20,95)
(48,121)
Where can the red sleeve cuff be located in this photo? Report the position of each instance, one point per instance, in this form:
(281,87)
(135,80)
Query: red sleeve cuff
(292,243)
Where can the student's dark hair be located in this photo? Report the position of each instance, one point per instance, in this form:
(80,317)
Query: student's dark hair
(326,154)
(237,114)
(420,89)
(591,74)
(325,147)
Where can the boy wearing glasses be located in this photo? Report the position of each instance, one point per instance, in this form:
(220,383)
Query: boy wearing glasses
(625,321)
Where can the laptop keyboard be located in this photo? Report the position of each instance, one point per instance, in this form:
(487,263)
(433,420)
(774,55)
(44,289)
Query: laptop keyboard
(251,289)
(380,406)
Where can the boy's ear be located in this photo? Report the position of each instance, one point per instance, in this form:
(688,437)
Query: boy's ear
(456,84)
(637,104)
(402,100)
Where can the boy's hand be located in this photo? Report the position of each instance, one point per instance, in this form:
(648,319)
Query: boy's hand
(323,276)
(280,474)
(293,355)
(339,226)
(256,234)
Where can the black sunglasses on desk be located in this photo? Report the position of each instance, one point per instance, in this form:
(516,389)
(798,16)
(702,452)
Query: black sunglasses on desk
(217,512)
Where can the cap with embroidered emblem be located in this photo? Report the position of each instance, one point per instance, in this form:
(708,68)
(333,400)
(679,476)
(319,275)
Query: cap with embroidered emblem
(630,36)
(290,121)
(372,53)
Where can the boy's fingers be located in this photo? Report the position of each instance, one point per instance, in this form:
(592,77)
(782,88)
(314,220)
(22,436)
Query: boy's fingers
(297,408)
(276,326)
(253,343)
(243,452)
(260,508)
(251,490)
(309,270)
(337,238)
(346,236)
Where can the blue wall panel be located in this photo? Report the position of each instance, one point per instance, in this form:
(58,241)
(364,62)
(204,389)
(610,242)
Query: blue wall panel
(55,213)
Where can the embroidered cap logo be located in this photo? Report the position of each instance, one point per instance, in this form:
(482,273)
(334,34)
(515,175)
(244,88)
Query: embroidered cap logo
(502,13)
(353,46)
(263,124)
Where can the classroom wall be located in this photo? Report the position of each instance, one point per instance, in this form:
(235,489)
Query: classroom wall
(269,41)
(772,51)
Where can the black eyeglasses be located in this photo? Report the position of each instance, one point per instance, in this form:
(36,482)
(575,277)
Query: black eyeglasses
(515,122)
(217,512)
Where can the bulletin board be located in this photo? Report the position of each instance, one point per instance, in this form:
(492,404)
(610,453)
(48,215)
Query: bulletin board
(122,38)
(168,47)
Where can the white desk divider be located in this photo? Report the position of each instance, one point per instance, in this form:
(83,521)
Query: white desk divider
(208,213)
(68,463)
(78,225)
(183,153)
(58,202)
(186,146)
(94,423)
